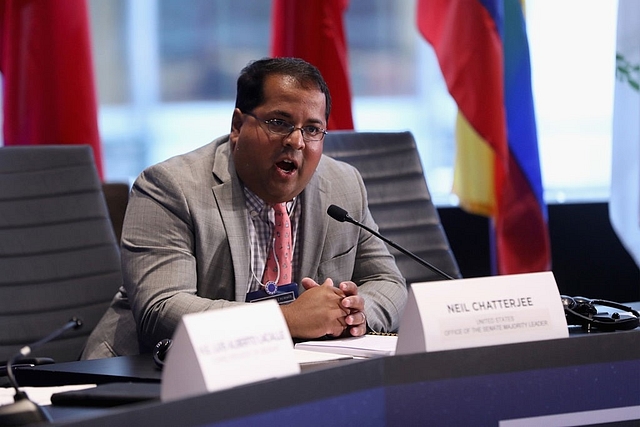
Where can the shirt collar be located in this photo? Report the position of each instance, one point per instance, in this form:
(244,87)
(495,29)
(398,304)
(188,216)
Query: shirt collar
(256,204)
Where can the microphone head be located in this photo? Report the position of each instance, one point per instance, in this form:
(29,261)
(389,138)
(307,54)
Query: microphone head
(77,322)
(339,214)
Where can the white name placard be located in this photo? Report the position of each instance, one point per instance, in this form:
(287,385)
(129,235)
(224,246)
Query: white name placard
(219,349)
(484,311)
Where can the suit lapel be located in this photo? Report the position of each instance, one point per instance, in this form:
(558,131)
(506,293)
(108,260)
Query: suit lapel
(231,204)
(314,225)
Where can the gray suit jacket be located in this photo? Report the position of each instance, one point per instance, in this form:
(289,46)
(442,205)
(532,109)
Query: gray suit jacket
(185,248)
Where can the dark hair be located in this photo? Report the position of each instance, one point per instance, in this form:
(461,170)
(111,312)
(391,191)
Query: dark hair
(250,91)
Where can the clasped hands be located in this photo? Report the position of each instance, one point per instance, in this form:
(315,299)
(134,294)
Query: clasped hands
(323,309)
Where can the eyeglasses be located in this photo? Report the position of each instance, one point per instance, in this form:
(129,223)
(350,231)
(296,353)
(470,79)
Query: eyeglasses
(284,128)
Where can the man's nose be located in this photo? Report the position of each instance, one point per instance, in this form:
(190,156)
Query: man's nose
(295,139)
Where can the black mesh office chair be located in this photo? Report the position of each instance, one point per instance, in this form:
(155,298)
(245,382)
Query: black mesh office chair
(399,198)
(58,254)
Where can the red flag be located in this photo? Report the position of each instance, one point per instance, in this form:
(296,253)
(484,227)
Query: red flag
(47,70)
(313,30)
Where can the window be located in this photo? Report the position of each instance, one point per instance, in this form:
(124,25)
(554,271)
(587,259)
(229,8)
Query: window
(166,73)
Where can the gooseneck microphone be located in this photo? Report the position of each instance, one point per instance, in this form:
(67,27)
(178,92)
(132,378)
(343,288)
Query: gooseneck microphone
(339,214)
(24,411)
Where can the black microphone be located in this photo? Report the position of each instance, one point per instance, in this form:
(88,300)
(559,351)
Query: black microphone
(24,411)
(339,214)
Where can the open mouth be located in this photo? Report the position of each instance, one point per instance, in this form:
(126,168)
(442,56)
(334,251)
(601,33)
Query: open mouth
(287,166)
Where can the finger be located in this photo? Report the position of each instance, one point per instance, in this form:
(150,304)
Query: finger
(340,329)
(353,303)
(358,330)
(349,288)
(309,283)
(355,319)
(328,282)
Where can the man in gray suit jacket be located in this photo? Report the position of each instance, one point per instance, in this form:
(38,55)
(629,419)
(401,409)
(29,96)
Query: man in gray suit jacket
(194,233)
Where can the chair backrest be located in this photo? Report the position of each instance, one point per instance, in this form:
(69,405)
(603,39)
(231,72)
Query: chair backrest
(399,198)
(116,195)
(58,254)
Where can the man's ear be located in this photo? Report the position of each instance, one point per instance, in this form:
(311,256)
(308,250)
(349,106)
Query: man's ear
(236,122)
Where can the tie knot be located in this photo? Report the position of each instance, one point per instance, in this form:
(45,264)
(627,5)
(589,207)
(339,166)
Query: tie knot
(280,209)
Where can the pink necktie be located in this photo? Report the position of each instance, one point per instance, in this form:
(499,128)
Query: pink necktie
(282,249)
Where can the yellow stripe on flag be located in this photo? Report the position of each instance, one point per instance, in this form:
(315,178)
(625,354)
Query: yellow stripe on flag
(473,179)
